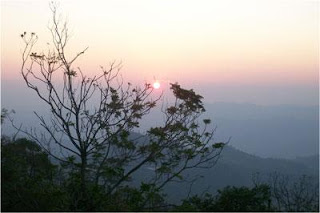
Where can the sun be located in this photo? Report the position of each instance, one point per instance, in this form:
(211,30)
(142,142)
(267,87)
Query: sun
(156,85)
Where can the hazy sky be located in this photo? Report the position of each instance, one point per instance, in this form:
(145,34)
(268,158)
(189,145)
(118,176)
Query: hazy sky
(263,52)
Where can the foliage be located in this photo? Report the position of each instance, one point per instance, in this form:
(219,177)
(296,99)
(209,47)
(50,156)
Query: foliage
(27,178)
(231,199)
(196,203)
(30,182)
(92,119)
(5,114)
(244,199)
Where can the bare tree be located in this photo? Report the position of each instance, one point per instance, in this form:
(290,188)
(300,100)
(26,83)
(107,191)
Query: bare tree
(294,195)
(91,120)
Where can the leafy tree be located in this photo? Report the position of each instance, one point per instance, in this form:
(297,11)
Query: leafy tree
(27,178)
(92,120)
(244,199)
(196,203)
(231,199)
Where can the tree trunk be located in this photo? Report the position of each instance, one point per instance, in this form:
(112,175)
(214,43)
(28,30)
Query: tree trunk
(85,199)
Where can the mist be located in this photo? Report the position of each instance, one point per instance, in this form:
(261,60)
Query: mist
(271,130)
(236,119)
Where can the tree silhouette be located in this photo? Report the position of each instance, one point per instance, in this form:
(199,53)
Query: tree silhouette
(231,199)
(92,120)
(292,194)
(27,178)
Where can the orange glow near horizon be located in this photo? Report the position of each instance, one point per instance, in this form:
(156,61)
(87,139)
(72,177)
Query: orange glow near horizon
(245,42)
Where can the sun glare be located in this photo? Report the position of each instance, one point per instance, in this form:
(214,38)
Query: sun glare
(156,85)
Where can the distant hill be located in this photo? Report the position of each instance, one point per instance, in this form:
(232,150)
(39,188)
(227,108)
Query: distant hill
(284,131)
(311,162)
(236,168)
(288,132)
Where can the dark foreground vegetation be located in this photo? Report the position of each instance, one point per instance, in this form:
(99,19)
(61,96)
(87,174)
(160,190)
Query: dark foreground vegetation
(86,156)
(31,182)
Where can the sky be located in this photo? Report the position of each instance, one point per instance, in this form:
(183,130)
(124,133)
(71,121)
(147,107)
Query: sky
(263,52)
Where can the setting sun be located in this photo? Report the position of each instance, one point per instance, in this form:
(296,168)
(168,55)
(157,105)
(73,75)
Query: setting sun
(113,99)
(156,85)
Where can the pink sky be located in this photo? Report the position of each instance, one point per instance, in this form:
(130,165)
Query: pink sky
(264,52)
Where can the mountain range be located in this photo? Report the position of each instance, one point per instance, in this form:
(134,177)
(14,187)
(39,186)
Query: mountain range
(237,168)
